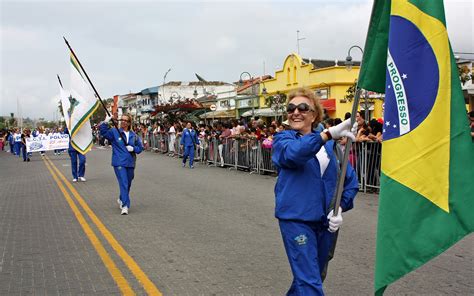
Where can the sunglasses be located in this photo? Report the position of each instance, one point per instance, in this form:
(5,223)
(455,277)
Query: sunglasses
(302,108)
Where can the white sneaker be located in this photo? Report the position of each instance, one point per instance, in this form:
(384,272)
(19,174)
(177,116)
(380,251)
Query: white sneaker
(124,211)
(82,179)
(74,180)
(120,203)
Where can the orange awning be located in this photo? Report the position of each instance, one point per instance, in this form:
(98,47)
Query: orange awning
(329,104)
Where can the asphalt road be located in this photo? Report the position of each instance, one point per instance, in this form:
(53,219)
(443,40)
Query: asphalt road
(206,231)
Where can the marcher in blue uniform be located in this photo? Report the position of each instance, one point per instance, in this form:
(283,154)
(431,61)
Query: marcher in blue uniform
(189,140)
(307,177)
(125,146)
(17,142)
(78,173)
(11,142)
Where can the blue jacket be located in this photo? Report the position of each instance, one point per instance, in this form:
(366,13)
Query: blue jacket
(301,192)
(189,138)
(120,154)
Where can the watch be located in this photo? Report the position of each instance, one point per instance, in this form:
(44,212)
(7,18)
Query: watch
(327,133)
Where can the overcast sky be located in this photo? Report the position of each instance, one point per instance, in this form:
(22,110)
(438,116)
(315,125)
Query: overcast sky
(128,46)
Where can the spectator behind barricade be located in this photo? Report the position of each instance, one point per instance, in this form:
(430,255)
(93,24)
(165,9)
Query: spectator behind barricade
(337,121)
(235,128)
(328,122)
(259,129)
(2,140)
(225,134)
(362,128)
(363,133)
(375,133)
(347,115)
(172,139)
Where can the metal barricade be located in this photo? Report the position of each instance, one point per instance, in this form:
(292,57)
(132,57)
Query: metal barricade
(212,152)
(153,140)
(146,141)
(265,161)
(358,161)
(171,141)
(228,152)
(203,149)
(254,153)
(249,154)
(372,169)
(242,155)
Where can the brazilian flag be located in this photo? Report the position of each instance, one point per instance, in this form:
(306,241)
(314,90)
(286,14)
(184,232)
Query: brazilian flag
(427,183)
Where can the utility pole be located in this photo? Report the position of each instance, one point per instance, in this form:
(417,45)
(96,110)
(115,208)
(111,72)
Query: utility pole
(298,40)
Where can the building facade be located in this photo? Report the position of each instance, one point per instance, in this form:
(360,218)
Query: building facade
(330,80)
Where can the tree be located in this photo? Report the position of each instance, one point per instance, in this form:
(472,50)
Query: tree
(350,92)
(277,102)
(364,100)
(464,74)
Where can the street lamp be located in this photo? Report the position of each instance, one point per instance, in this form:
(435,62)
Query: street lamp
(164,81)
(349,63)
(253,90)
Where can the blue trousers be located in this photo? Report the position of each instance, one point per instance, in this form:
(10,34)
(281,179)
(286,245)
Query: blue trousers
(307,246)
(12,147)
(74,155)
(124,177)
(16,148)
(188,151)
(23,151)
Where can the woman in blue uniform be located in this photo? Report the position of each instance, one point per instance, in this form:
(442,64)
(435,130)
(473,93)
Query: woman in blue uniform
(78,172)
(307,177)
(125,146)
(189,141)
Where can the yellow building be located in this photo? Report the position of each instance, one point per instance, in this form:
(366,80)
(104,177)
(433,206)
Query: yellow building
(329,79)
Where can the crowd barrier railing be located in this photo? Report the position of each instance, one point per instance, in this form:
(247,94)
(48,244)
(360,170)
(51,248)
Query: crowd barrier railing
(254,156)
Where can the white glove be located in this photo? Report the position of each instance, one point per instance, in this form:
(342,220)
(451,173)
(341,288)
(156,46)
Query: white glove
(107,118)
(129,148)
(335,221)
(343,129)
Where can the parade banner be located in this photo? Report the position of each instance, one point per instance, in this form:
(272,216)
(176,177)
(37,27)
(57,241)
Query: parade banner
(426,185)
(46,143)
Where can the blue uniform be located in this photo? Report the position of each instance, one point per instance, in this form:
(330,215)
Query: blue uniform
(11,142)
(17,144)
(122,160)
(303,198)
(189,139)
(74,155)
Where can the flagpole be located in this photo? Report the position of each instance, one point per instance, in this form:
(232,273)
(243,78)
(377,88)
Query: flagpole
(342,176)
(90,82)
(60,83)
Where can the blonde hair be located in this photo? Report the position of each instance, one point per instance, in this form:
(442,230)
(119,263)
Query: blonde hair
(129,116)
(310,95)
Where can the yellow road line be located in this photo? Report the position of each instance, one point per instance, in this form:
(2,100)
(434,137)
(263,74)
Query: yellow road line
(147,284)
(109,263)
